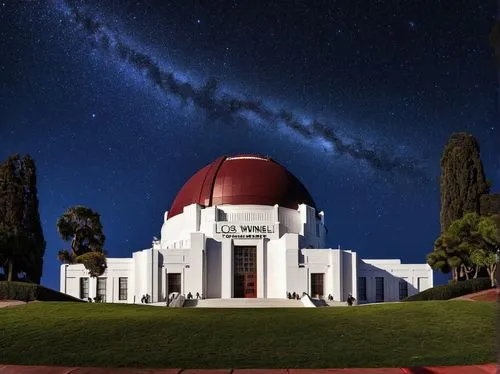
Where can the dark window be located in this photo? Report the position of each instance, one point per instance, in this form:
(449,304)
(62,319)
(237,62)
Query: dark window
(379,289)
(84,288)
(174,282)
(101,289)
(403,289)
(122,288)
(317,284)
(362,288)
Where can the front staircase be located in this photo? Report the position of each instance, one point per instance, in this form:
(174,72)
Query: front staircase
(243,303)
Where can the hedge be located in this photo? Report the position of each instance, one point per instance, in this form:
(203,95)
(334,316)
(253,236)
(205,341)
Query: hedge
(29,292)
(450,291)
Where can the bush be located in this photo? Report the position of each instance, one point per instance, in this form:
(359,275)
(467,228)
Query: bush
(452,290)
(29,292)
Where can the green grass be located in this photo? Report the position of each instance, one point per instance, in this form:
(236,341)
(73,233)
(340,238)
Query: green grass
(402,334)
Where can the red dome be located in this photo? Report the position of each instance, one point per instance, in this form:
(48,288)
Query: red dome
(239,180)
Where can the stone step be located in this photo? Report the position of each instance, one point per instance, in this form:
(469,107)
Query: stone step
(243,303)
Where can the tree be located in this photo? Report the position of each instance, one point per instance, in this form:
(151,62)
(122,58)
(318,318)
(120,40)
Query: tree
(35,243)
(82,226)
(11,214)
(22,244)
(447,255)
(462,179)
(468,245)
(485,253)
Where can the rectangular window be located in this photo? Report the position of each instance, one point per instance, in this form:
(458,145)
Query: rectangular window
(122,288)
(362,288)
(101,289)
(403,289)
(84,288)
(379,289)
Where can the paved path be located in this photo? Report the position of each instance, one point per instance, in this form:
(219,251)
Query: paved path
(477,369)
(487,295)
(7,303)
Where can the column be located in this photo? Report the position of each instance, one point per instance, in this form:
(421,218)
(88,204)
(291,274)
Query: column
(227,269)
(261,269)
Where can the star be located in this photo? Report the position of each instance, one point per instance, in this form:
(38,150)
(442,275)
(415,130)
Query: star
(93,115)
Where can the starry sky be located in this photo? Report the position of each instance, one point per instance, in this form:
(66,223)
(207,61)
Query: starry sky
(120,102)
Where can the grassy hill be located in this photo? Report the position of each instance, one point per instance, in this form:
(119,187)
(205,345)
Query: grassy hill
(401,334)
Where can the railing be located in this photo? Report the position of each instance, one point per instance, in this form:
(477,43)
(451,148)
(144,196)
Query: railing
(307,301)
(176,300)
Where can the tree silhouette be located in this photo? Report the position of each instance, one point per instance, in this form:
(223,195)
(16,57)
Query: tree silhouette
(82,227)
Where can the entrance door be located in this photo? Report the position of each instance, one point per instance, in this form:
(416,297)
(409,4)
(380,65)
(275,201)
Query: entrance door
(317,284)
(173,283)
(245,271)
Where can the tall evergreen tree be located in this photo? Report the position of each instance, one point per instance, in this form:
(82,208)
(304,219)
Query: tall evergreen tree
(36,242)
(22,244)
(462,179)
(11,214)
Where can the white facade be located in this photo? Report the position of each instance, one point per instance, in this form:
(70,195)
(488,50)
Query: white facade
(283,253)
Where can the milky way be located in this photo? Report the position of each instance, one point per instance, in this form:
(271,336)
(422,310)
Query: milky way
(226,108)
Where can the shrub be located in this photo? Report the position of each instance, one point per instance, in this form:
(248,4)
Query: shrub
(29,292)
(452,290)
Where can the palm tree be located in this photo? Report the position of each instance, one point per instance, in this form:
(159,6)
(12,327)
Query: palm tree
(82,226)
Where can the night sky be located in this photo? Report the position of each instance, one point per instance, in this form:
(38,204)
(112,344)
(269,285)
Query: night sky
(120,103)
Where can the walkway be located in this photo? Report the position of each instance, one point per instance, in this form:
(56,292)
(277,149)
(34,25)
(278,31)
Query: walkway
(478,369)
(487,295)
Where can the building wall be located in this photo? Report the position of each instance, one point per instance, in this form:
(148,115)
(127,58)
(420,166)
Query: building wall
(189,246)
(416,275)
(117,268)
(214,268)
(277,268)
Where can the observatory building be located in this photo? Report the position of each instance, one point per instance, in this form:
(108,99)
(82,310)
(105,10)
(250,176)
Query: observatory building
(245,227)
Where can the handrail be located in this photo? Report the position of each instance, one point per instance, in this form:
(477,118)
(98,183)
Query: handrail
(306,301)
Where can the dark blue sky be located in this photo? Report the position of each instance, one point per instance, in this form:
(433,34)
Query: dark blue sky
(356,100)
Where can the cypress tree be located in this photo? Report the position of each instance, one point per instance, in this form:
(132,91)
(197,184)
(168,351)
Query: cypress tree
(462,179)
(36,242)
(11,214)
(22,244)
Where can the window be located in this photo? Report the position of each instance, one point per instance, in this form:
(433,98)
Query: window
(101,289)
(317,229)
(362,288)
(379,289)
(84,288)
(122,288)
(403,289)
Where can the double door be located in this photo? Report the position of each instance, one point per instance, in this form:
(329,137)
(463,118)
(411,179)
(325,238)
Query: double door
(245,271)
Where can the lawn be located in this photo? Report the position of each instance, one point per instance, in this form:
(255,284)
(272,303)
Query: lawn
(401,334)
